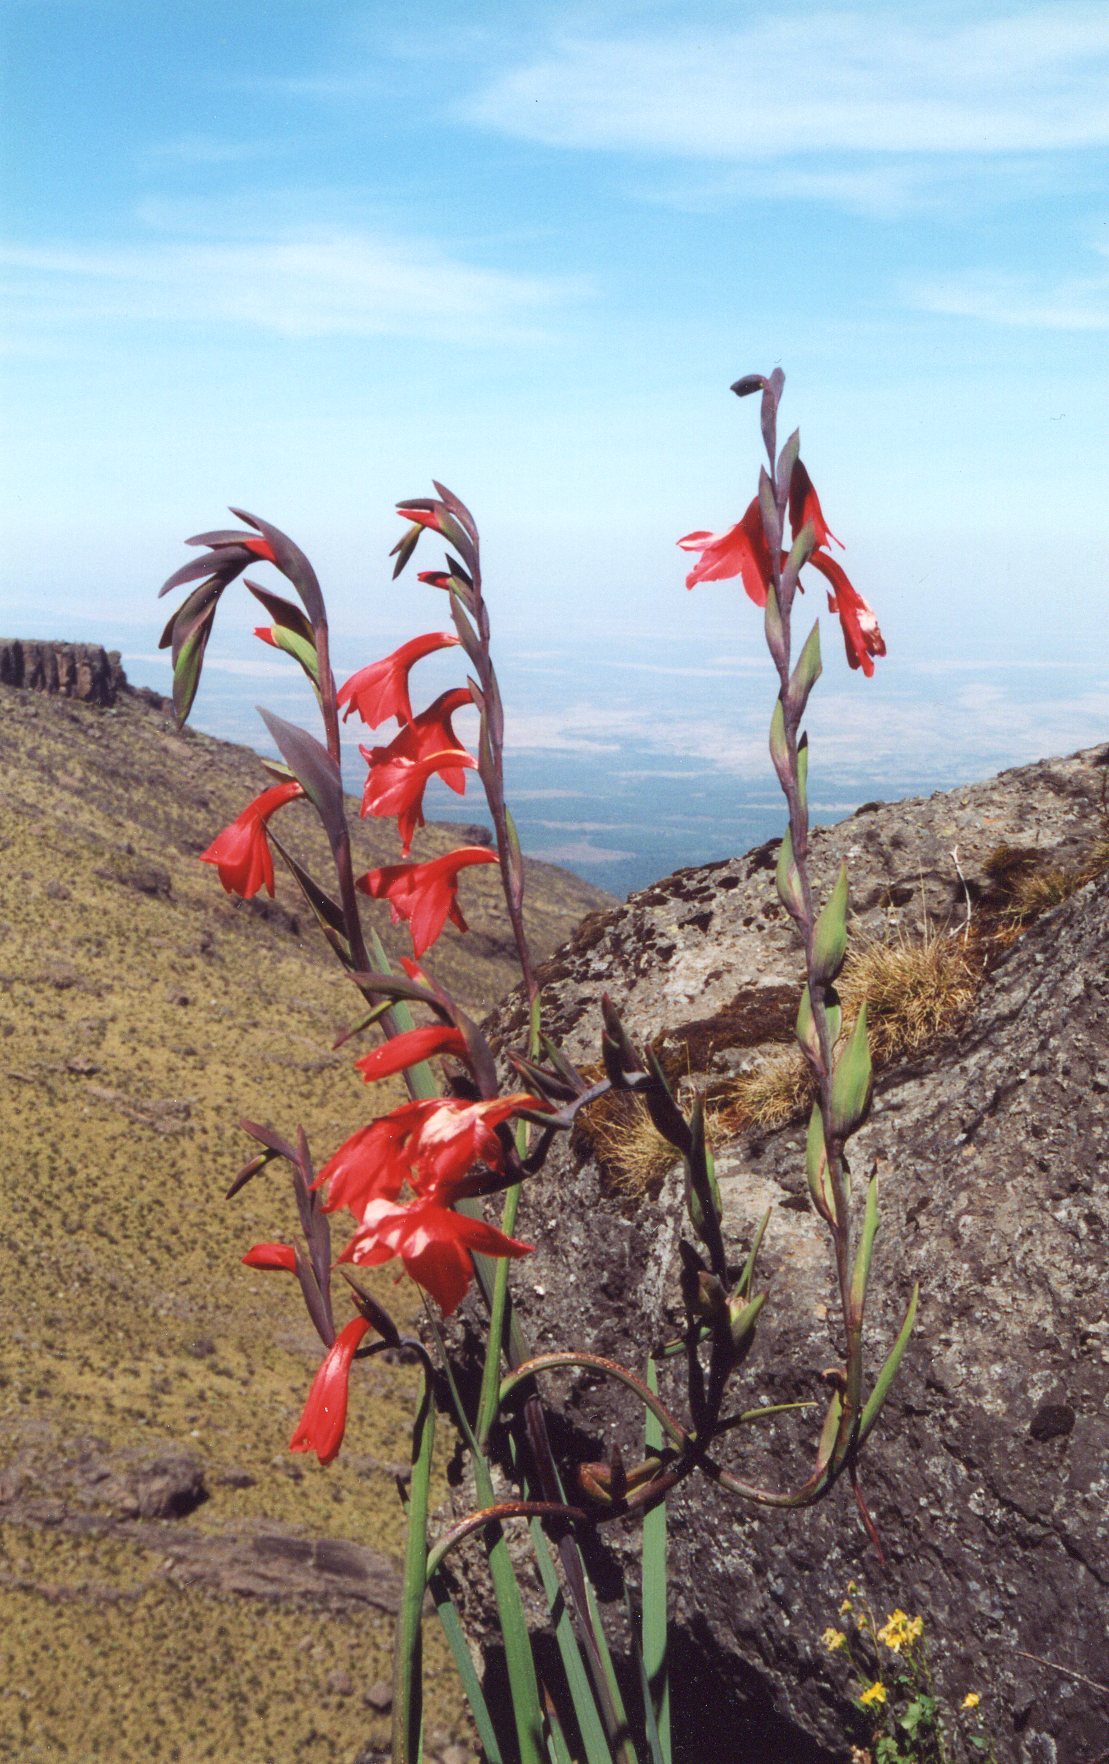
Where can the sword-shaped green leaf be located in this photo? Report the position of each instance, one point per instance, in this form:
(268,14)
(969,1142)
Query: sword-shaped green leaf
(779,749)
(816,1167)
(866,1248)
(768,509)
(799,554)
(301,651)
(775,635)
(806,1032)
(872,1407)
(656,1666)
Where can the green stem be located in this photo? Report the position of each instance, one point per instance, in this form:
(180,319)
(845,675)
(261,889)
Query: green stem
(407,1659)
(611,1369)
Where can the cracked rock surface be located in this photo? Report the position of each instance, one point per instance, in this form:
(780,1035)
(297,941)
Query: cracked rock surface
(988,1475)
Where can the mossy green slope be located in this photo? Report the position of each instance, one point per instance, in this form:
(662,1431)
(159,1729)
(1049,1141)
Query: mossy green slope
(142,1014)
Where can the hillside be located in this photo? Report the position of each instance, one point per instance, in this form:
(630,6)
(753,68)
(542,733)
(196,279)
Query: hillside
(161,1592)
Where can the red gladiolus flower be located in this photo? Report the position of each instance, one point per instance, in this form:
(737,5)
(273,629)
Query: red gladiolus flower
(804,505)
(435,1244)
(380,691)
(741,551)
(409,1049)
(431,1143)
(425,894)
(272,1255)
(396,787)
(242,851)
(373,1161)
(323,1422)
(453,1137)
(432,731)
(861,636)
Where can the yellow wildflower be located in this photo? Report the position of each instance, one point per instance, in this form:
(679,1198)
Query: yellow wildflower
(873,1694)
(971,1700)
(833,1639)
(846,1608)
(900,1631)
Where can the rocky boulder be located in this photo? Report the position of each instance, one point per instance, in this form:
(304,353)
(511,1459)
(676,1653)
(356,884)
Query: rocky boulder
(70,670)
(988,1476)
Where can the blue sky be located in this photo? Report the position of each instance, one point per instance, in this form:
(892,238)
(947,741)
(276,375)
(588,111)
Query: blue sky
(303,258)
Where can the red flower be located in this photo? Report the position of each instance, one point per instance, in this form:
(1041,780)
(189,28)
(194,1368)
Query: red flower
(242,851)
(381,690)
(425,894)
(396,787)
(431,1143)
(804,505)
(272,1255)
(265,632)
(323,1423)
(432,731)
(372,1162)
(741,551)
(861,636)
(457,1135)
(435,1244)
(409,1049)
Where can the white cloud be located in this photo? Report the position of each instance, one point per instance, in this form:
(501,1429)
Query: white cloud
(321,282)
(211,150)
(866,732)
(808,82)
(1075,303)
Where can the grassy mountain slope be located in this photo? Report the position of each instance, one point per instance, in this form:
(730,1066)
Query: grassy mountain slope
(142,1012)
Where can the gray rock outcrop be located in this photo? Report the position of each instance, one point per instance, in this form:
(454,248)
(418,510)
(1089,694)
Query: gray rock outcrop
(83,671)
(988,1476)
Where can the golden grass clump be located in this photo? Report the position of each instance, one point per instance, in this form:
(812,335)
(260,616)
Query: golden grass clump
(778,1091)
(915,989)
(1030,886)
(627,1144)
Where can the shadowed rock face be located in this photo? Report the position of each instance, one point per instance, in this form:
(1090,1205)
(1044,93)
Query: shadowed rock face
(71,670)
(988,1476)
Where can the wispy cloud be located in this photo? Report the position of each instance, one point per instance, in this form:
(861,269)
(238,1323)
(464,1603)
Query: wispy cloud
(211,150)
(979,727)
(791,89)
(302,282)
(1044,303)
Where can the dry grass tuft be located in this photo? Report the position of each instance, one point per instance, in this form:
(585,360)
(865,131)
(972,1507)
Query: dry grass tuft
(627,1144)
(1030,886)
(916,990)
(778,1091)
(1036,891)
